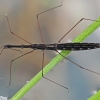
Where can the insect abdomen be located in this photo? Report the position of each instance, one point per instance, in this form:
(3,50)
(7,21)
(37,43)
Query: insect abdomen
(77,46)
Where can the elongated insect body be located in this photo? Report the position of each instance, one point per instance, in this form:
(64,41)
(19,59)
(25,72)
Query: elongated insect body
(62,46)
(55,46)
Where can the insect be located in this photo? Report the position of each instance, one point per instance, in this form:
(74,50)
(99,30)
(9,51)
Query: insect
(56,46)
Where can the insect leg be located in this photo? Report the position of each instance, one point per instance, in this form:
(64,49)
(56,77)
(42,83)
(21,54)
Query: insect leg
(50,79)
(3,47)
(41,14)
(13,32)
(11,65)
(75,26)
(77,64)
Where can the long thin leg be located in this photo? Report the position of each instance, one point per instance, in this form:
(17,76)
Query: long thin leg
(48,78)
(15,49)
(42,63)
(41,14)
(75,26)
(12,62)
(77,64)
(13,32)
(3,48)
